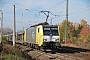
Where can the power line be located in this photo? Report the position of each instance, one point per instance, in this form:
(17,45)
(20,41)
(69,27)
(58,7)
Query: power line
(51,8)
(23,8)
(81,9)
(78,11)
(73,12)
(70,13)
(57,17)
(58,12)
(54,14)
(28,10)
(56,5)
(47,15)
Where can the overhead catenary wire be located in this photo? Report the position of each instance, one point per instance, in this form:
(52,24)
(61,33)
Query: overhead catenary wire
(25,25)
(81,8)
(74,12)
(22,23)
(56,5)
(70,13)
(23,8)
(24,20)
(79,11)
(23,14)
(51,8)
(47,15)
(56,16)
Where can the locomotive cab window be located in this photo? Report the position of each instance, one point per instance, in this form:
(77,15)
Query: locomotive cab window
(54,31)
(38,30)
(50,30)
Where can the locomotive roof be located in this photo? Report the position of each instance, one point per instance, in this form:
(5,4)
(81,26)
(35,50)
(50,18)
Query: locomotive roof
(44,23)
(50,26)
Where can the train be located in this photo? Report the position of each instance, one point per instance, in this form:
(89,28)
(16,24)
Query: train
(42,35)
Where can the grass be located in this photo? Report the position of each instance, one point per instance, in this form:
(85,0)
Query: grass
(9,52)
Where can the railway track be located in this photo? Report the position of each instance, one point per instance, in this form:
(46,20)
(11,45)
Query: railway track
(59,56)
(64,53)
(66,49)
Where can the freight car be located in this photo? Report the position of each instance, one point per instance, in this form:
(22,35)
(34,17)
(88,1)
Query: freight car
(42,36)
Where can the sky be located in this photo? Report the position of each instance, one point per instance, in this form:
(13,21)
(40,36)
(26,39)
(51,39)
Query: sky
(28,12)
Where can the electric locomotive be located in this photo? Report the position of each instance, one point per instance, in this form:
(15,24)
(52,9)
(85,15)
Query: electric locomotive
(42,35)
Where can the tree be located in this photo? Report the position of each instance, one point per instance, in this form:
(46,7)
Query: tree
(84,33)
(78,31)
(78,27)
(83,22)
(70,30)
(62,30)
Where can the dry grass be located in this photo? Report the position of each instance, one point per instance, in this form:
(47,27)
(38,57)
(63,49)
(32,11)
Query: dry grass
(9,52)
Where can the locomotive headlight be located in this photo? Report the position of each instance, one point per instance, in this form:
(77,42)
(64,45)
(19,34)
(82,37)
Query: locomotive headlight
(57,39)
(44,39)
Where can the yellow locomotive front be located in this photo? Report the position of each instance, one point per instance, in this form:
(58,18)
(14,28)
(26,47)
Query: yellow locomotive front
(48,36)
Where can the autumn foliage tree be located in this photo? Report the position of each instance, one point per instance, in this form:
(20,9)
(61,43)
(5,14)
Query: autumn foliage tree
(70,30)
(62,30)
(85,33)
(74,30)
(83,22)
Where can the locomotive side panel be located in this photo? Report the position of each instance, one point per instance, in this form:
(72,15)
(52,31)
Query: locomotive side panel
(31,35)
(24,36)
(59,33)
(39,35)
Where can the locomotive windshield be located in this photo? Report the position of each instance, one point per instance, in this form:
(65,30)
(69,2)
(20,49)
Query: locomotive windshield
(50,30)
